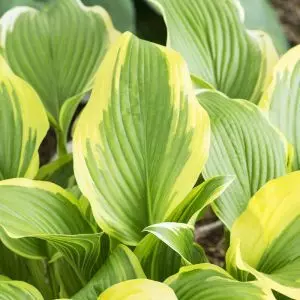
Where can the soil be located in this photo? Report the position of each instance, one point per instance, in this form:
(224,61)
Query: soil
(151,27)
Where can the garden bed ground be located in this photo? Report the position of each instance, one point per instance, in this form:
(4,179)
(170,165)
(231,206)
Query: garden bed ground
(150,26)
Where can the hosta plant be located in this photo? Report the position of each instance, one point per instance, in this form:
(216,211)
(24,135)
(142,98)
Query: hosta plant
(209,120)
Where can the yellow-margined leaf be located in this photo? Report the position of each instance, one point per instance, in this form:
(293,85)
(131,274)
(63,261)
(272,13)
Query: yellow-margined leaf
(143,139)
(206,282)
(265,240)
(24,124)
(57,50)
(282,100)
(139,289)
(245,145)
(212,38)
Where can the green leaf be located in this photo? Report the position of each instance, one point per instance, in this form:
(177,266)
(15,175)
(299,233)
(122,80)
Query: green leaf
(138,289)
(24,124)
(42,210)
(199,198)
(260,15)
(121,265)
(177,236)
(206,281)
(158,259)
(18,290)
(60,72)
(59,171)
(121,11)
(209,34)
(245,145)
(281,100)
(135,156)
(271,252)
(8,4)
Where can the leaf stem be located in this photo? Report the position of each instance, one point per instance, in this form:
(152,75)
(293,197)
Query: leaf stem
(61,143)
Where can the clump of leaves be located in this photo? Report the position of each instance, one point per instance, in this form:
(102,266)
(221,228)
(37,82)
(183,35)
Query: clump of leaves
(115,218)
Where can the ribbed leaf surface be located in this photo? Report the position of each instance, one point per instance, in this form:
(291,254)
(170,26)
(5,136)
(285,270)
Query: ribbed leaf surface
(212,38)
(57,50)
(245,145)
(142,140)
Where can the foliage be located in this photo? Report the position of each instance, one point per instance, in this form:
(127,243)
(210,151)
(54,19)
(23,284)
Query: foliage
(115,218)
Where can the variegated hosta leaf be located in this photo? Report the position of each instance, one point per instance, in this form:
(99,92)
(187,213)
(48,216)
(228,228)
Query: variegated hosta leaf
(120,266)
(59,172)
(142,140)
(42,210)
(18,290)
(282,100)
(23,123)
(138,289)
(212,38)
(158,259)
(62,46)
(245,145)
(206,281)
(265,240)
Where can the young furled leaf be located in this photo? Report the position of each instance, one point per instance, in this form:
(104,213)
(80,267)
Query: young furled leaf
(142,140)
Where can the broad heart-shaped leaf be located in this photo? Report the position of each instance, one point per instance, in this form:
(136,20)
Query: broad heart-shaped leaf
(142,140)
(265,240)
(24,124)
(18,290)
(282,100)
(212,38)
(59,171)
(158,260)
(120,266)
(260,15)
(62,46)
(139,289)
(42,210)
(245,145)
(206,281)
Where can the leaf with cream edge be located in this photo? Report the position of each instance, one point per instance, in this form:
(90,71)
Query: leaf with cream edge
(281,100)
(209,33)
(60,72)
(24,125)
(244,144)
(207,281)
(44,211)
(158,260)
(18,290)
(120,266)
(139,289)
(265,239)
(142,140)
